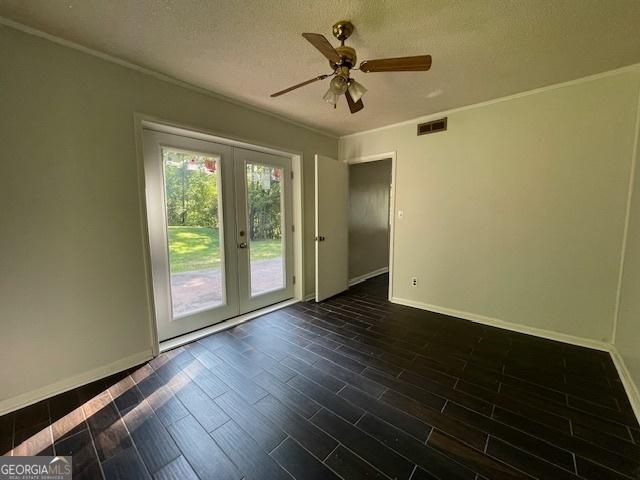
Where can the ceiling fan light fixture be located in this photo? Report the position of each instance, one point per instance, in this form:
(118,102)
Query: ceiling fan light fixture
(339,84)
(331,97)
(356,90)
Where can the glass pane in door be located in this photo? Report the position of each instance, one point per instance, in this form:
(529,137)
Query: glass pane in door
(265,219)
(194,230)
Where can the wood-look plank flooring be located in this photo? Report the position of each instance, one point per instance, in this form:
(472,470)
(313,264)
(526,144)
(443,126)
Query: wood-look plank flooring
(354,387)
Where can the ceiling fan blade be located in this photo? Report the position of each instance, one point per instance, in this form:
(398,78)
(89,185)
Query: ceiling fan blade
(402,64)
(354,107)
(322,44)
(286,90)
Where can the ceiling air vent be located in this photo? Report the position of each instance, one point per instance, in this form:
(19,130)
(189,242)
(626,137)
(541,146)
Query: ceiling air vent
(433,126)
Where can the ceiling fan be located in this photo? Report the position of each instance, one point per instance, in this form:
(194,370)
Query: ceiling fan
(343,59)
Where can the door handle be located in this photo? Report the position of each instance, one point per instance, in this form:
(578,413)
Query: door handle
(242,245)
(319,239)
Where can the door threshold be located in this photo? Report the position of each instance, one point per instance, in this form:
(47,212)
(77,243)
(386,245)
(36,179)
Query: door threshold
(224,325)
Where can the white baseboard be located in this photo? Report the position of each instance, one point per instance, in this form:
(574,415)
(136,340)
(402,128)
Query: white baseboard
(66,384)
(625,376)
(26,399)
(359,279)
(354,281)
(515,327)
(629,385)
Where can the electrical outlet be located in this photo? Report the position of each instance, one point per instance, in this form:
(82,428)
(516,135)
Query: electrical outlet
(414,281)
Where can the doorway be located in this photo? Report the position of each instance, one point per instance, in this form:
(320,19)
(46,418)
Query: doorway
(220,223)
(369,219)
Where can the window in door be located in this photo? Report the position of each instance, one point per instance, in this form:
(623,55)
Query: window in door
(194,230)
(265,202)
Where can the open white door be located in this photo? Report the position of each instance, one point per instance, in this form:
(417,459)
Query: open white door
(332,227)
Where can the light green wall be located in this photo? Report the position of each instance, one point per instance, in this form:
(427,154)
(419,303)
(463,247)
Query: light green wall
(369,185)
(517,211)
(73,284)
(627,338)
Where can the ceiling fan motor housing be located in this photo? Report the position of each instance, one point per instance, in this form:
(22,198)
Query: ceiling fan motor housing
(347,56)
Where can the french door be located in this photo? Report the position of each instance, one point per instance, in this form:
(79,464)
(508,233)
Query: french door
(219,222)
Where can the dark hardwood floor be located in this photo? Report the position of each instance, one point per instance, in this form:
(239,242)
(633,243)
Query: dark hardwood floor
(354,387)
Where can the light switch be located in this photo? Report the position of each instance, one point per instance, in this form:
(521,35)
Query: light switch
(400,213)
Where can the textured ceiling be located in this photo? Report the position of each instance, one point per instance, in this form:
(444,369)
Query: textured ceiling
(247,49)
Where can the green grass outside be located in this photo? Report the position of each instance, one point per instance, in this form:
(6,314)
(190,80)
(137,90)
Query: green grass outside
(198,248)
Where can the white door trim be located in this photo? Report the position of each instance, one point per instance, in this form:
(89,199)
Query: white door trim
(392,202)
(141,121)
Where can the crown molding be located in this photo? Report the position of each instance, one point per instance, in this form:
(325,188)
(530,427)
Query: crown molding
(157,75)
(609,73)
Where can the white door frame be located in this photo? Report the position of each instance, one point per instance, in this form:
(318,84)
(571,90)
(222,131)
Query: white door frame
(392,202)
(141,121)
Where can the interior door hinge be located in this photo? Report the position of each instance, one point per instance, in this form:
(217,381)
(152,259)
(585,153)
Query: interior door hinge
(294,279)
(293,228)
(291,174)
